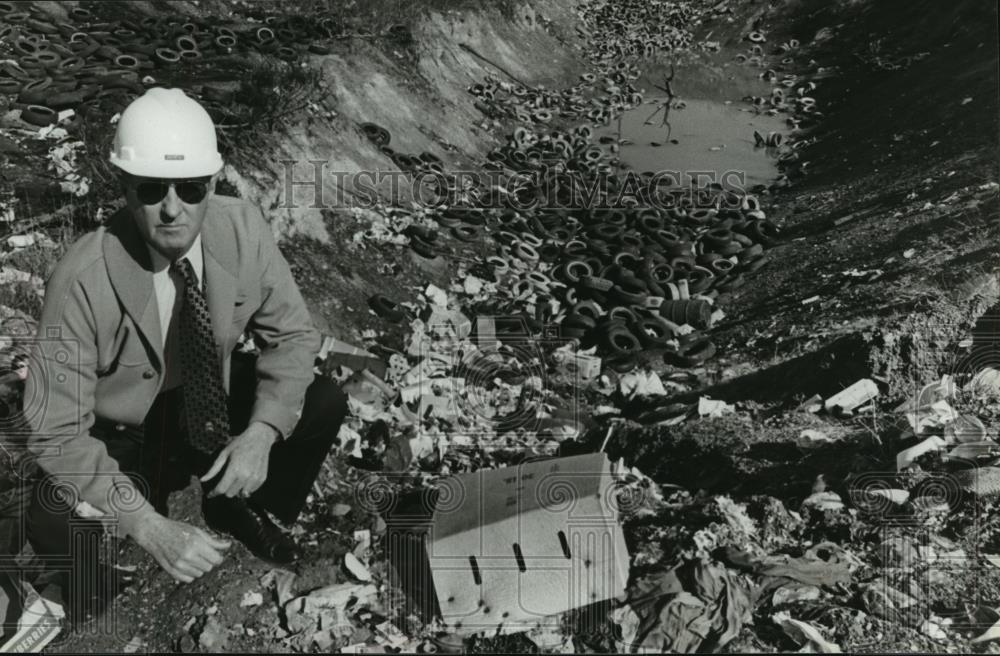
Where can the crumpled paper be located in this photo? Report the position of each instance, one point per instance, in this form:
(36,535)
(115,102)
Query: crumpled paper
(326,608)
(985,382)
(63,162)
(929,409)
(641,383)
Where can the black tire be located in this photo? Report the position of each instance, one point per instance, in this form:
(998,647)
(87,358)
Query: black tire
(39,115)
(386,308)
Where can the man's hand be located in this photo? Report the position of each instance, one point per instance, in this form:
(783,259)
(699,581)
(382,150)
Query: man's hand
(184,551)
(245,461)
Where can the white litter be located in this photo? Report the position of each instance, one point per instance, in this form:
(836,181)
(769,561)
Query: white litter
(807,635)
(641,383)
(436,296)
(906,457)
(986,381)
(713,408)
(811,438)
(251,599)
(356,568)
(854,396)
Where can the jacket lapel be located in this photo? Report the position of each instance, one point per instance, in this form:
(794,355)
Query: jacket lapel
(218,241)
(131,272)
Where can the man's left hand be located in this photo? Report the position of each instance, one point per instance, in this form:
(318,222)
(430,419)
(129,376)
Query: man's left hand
(245,461)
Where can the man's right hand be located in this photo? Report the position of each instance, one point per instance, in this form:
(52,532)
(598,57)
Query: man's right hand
(184,551)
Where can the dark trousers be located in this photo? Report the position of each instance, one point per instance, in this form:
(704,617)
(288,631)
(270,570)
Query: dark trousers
(159,462)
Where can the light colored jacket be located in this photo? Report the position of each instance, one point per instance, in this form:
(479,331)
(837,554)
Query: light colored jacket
(99,352)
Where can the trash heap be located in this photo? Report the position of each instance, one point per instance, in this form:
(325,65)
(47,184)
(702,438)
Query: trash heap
(876,550)
(867,552)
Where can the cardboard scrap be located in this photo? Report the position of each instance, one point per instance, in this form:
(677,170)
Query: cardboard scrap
(853,397)
(494,549)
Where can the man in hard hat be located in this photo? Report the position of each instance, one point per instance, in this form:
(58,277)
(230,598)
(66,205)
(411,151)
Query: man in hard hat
(134,386)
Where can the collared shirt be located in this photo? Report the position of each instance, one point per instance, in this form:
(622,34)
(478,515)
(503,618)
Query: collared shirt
(167,286)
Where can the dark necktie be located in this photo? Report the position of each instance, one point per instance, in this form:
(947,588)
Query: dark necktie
(204,394)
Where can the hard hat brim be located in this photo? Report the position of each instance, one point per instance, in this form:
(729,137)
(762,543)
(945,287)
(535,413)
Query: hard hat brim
(169,169)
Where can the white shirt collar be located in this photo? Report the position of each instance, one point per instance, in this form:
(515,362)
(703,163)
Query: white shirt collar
(193,254)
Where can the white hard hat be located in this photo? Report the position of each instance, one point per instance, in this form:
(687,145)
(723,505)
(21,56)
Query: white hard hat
(165,134)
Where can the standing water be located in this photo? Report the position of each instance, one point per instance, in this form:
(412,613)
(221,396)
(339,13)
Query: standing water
(699,139)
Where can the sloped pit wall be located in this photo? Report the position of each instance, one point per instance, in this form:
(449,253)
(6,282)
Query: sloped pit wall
(424,103)
(891,238)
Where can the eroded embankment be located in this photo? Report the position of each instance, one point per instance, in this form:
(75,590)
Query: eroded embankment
(890,220)
(421,97)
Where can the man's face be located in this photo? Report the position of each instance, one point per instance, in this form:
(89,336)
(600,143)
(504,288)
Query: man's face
(168,212)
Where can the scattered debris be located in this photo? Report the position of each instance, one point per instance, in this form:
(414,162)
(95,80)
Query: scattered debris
(805,635)
(711,408)
(213,637)
(853,397)
(697,607)
(251,599)
(356,569)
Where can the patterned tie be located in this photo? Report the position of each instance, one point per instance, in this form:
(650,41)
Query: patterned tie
(204,394)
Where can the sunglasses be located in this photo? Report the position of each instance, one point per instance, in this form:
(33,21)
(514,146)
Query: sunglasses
(151,192)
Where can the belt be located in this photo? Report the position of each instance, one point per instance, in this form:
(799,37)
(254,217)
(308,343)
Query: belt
(110,427)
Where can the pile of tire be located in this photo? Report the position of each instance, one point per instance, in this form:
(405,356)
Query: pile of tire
(598,97)
(87,64)
(637,28)
(629,270)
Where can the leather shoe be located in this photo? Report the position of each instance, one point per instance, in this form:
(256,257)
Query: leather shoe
(250,525)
